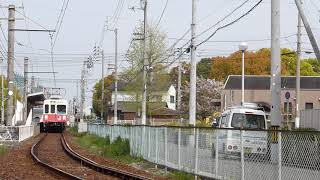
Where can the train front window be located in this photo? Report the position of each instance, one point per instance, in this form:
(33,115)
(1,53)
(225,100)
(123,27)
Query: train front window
(62,109)
(46,108)
(52,109)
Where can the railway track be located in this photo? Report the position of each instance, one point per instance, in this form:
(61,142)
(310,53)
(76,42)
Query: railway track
(83,165)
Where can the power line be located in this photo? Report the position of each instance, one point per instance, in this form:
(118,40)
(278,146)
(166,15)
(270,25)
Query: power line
(25,16)
(60,25)
(224,18)
(163,11)
(231,23)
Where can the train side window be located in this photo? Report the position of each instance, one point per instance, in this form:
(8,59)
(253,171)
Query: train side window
(46,108)
(52,109)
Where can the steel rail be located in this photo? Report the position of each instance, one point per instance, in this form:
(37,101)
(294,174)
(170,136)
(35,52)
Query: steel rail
(34,153)
(98,167)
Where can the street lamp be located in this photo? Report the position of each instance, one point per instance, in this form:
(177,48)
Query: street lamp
(243,47)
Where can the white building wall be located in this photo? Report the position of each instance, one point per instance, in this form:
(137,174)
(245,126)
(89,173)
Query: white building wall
(166,98)
(123,96)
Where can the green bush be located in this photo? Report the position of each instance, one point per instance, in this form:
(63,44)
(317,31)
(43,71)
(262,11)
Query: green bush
(3,150)
(120,147)
(181,175)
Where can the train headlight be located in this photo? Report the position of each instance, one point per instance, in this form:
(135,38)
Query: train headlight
(64,117)
(45,117)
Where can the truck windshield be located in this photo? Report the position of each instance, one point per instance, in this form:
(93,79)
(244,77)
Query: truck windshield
(248,121)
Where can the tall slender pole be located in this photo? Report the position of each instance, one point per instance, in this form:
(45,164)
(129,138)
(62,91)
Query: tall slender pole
(82,91)
(308,29)
(297,120)
(2,98)
(242,82)
(179,83)
(11,25)
(145,64)
(25,96)
(193,70)
(102,86)
(116,78)
(275,64)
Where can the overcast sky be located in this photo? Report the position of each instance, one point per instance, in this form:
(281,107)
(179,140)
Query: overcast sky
(84,20)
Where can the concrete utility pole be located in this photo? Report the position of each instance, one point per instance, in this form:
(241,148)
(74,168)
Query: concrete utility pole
(115,118)
(25,96)
(275,64)
(82,90)
(2,99)
(179,83)
(145,65)
(102,85)
(11,26)
(308,29)
(193,70)
(297,120)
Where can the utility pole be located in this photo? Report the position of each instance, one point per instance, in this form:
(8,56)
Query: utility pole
(25,96)
(11,26)
(193,70)
(179,83)
(82,91)
(308,29)
(145,64)
(102,86)
(297,120)
(275,64)
(2,99)
(115,119)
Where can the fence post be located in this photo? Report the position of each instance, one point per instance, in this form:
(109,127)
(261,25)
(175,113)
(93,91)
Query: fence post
(165,148)
(179,148)
(131,141)
(149,143)
(157,151)
(280,156)
(242,155)
(217,152)
(196,151)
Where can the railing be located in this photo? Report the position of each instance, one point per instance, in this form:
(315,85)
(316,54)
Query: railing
(16,133)
(223,153)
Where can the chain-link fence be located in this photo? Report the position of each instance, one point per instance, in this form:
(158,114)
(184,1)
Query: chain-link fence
(223,153)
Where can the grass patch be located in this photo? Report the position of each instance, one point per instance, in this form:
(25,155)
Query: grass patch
(181,175)
(3,150)
(118,150)
(74,131)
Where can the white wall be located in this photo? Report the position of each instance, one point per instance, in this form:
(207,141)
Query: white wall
(123,96)
(166,98)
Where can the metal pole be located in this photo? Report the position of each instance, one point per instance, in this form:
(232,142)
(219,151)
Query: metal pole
(25,96)
(102,86)
(275,64)
(11,25)
(297,120)
(308,29)
(242,82)
(116,78)
(193,71)
(145,64)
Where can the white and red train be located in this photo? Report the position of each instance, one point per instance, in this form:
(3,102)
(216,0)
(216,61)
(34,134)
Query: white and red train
(54,115)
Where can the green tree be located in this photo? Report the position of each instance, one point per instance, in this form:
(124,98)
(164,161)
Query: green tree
(96,99)
(203,68)
(157,56)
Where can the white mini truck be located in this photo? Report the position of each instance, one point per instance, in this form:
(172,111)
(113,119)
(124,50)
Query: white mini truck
(252,121)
